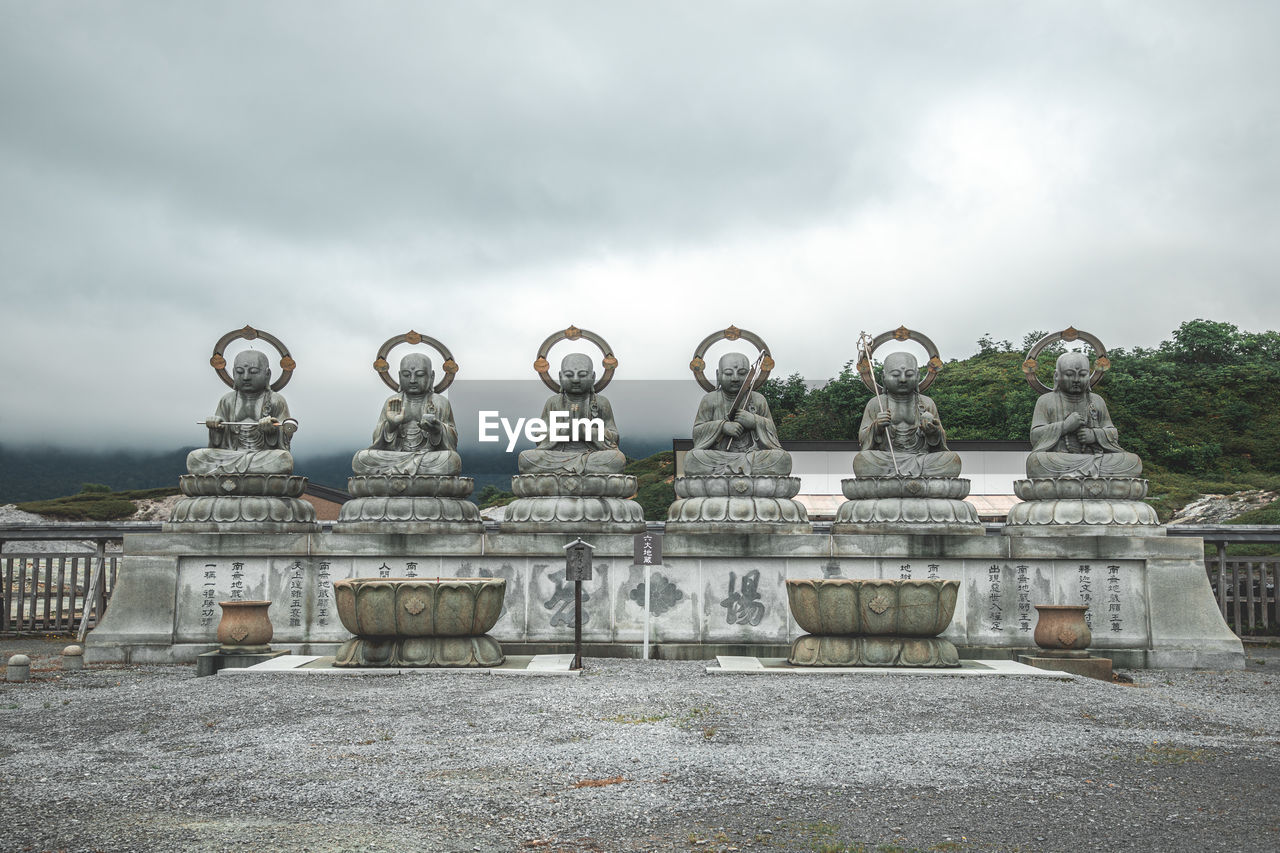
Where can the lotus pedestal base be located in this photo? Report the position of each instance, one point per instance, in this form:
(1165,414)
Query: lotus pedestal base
(476,651)
(888,505)
(836,650)
(1089,506)
(737,504)
(590,503)
(242,503)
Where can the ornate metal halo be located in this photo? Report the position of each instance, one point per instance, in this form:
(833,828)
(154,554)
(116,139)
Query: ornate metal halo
(448,367)
(1101,364)
(573,333)
(249,333)
(733,333)
(902,333)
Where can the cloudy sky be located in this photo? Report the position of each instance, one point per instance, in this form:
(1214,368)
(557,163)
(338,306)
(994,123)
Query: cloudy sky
(487,173)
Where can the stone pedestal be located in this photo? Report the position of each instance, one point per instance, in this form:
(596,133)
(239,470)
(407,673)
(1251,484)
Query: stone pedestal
(1076,663)
(257,503)
(208,663)
(576,503)
(929,505)
(1082,506)
(737,503)
(409,503)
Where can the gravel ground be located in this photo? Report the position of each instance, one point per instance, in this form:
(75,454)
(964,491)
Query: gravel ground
(636,756)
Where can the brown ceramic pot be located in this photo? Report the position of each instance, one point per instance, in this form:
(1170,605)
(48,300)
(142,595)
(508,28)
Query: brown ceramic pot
(245,626)
(1061,627)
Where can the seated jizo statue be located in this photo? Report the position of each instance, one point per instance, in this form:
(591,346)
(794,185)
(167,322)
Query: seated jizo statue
(415,432)
(908,421)
(1071,430)
(748,442)
(247,433)
(588,450)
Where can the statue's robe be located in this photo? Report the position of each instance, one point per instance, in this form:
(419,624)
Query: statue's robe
(409,447)
(1057,453)
(756,452)
(918,454)
(576,457)
(246,449)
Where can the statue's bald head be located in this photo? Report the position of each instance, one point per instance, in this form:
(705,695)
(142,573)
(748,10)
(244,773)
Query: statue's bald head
(733,371)
(901,373)
(1071,373)
(577,373)
(252,371)
(415,374)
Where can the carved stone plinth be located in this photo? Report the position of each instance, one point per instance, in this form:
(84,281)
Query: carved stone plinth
(242,503)
(558,503)
(1081,505)
(737,503)
(906,505)
(409,503)
(475,651)
(835,650)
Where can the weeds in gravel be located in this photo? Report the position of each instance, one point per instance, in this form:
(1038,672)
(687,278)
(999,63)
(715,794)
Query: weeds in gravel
(633,719)
(1164,756)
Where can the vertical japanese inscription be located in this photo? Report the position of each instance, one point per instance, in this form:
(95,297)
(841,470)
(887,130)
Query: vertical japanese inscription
(933,571)
(411,569)
(237,581)
(295,594)
(1113,599)
(1023,576)
(995,613)
(1084,582)
(209,595)
(904,572)
(324,592)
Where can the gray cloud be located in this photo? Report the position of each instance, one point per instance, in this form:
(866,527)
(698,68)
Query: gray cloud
(337,173)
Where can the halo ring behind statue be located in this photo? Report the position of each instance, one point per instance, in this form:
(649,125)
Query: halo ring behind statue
(573,333)
(449,367)
(902,333)
(1101,364)
(733,333)
(249,333)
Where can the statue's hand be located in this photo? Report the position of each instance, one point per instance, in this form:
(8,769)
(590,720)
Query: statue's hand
(266,424)
(431,422)
(1073,422)
(747,419)
(733,429)
(1086,436)
(928,423)
(214,422)
(882,420)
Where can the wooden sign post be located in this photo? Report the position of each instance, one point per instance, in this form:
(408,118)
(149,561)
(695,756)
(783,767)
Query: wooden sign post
(648,553)
(577,568)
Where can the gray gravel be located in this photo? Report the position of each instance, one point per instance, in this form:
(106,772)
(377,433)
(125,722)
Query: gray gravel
(637,756)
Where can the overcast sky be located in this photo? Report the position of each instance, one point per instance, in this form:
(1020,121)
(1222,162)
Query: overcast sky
(486,173)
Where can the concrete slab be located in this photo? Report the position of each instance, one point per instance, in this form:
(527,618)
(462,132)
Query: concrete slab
(967,669)
(536,665)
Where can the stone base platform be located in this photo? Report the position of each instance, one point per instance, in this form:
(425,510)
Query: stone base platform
(409,503)
(835,650)
(211,663)
(260,503)
(737,504)
(323,665)
(1088,666)
(586,503)
(715,593)
(730,665)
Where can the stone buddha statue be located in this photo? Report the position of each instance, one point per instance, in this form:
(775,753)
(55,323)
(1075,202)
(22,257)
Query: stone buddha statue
(579,400)
(415,433)
(247,434)
(1071,430)
(746,444)
(908,420)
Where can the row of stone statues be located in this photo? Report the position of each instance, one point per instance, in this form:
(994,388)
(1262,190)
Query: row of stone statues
(736,477)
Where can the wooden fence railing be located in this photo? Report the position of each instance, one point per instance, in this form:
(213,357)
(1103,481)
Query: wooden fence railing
(52,593)
(1246,591)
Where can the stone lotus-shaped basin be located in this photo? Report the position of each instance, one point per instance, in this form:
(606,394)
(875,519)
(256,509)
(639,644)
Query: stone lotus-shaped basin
(887,608)
(385,608)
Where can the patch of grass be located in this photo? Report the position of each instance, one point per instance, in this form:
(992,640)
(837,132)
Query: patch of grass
(634,719)
(1159,755)
(95,505)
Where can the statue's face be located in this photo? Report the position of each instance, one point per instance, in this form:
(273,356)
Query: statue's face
(901,373)
(415,374)
(577,374)
(733,371)
(1071,374)
(252,372)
